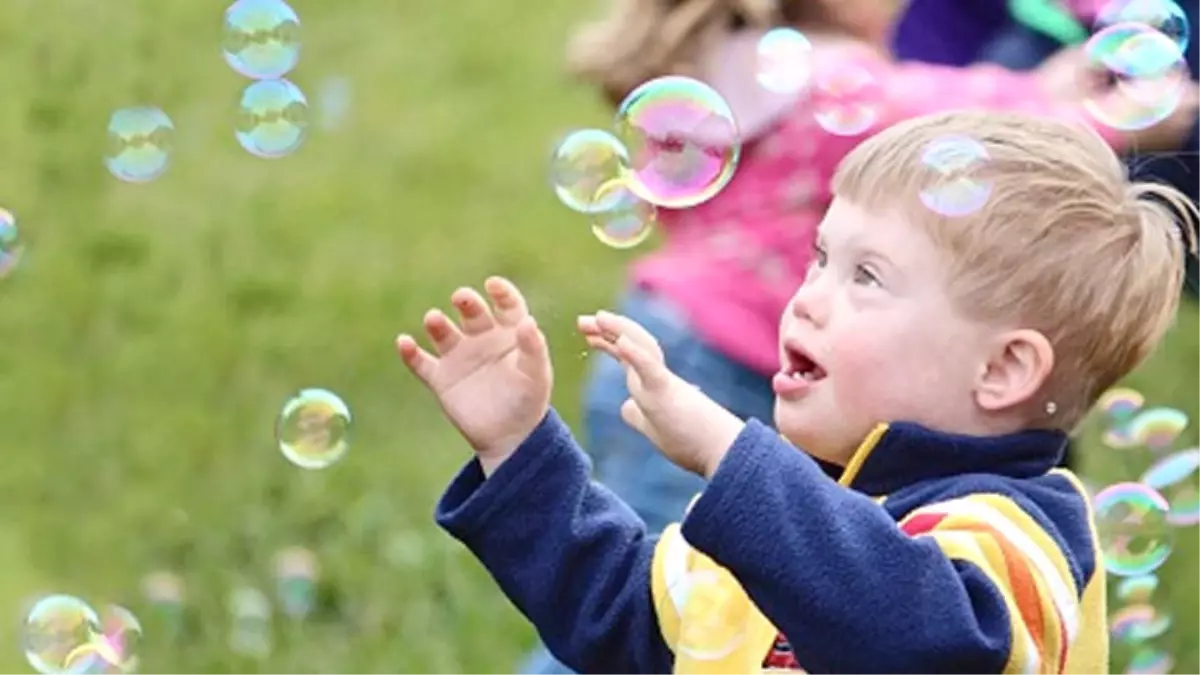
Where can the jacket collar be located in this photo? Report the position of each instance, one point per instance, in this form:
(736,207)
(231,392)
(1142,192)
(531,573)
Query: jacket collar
(899,454)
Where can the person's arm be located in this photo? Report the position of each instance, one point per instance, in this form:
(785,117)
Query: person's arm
(969,585)
(573,558)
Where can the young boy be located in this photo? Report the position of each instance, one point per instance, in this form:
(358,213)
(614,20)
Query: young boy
(937,362)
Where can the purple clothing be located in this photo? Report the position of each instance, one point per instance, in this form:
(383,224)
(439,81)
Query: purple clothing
(948,32)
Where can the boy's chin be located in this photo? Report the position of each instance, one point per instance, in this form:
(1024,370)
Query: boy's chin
(808,435)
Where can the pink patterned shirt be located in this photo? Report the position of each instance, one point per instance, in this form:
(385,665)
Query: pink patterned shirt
(731,264)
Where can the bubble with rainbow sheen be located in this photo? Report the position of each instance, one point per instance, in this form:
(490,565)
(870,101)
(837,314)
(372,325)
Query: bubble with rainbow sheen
(682,139)
(1131,520)
(1158,428)
(1150,77)
(1137,623)
(1150,660)
(120,637)
(1137,590)
(1164,16)
(12,246)
(783,61)
(313,428)
(628,219)
(261,38)
(1174,476)
(139,145)
(56,628)
(1120,404)
(955,185)
(1119,438)
(272,118)
(846,98)
(582,162)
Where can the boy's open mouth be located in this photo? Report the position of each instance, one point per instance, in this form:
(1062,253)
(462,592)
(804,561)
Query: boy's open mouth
(800,364)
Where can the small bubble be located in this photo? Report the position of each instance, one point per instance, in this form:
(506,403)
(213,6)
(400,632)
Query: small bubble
(58,630)
(296,571)
(582,163)
(1131,520)
(12,247)
(628,220)
(272,118)
(784,61)
(846,99)
(313,429)
(262,38)
(139,144)
(956,186)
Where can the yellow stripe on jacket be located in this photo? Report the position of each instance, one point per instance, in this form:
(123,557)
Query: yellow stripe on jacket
(1054,627)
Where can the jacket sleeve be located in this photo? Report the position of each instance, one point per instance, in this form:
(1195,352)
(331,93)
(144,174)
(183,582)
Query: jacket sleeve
(573,558)
(969,585)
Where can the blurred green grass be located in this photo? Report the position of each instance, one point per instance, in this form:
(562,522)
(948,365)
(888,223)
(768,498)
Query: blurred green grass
(153,331)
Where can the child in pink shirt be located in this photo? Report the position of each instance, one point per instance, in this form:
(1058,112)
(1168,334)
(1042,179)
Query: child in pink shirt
(713,293)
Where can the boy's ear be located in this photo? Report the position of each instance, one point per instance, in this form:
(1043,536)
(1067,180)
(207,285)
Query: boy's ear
(1015,370)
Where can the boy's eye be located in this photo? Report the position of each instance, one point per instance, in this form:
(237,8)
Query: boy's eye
(819,256)
(863,275)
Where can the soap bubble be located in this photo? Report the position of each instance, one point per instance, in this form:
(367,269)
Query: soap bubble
(139,144)
(846,99)
(784,61)
(1120,404)
(955,186)
(1157,428)
(1137,590)
(1174,476)
(1131,520)
(1150,660)
(272,118)
(56,628)
(1149,76)
(682,141)
(262,38)
(582,163)
(1163,16)
(1138,623)
(627,221)
(313,429)
(12,247)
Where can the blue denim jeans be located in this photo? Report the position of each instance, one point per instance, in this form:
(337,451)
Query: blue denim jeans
(626,461)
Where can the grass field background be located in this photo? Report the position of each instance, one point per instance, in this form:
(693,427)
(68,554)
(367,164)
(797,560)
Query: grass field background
(153,331)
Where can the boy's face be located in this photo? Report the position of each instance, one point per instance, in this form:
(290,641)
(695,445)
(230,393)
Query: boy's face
(874,317)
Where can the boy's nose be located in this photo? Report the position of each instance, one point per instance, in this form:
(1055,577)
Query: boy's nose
(808,303)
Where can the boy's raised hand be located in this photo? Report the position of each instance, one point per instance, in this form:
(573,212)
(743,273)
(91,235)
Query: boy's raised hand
(492,376)
(690,428)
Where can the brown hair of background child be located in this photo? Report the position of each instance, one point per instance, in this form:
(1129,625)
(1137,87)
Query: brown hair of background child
(641,39)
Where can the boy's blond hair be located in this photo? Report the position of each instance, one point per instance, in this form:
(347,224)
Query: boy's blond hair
(1065,243)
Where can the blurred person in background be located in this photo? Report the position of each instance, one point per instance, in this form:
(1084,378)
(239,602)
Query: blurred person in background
(713,293)
(1047,35)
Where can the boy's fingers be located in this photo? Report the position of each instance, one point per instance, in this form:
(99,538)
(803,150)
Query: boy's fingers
(474,312)
(441,331)
(510,305)
(621,325)
(648,368)
(586,324)
(420,362)
(533,357)
(633,416)
(602,345)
